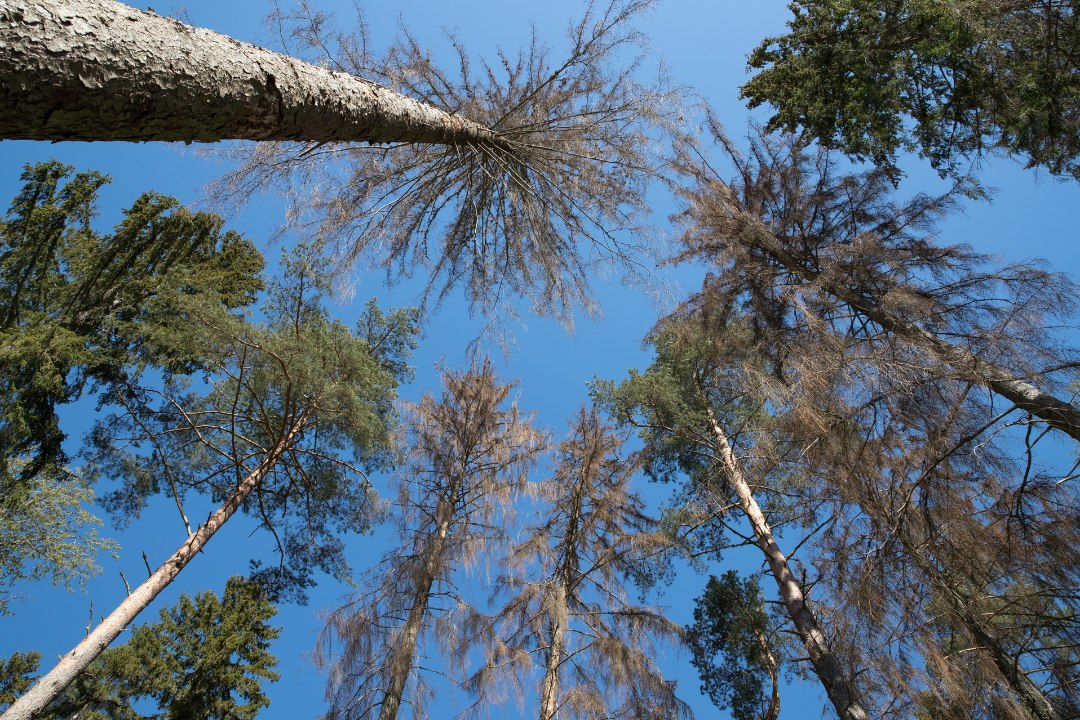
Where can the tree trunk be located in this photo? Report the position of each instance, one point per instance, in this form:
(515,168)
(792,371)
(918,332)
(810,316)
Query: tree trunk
(49,687)
(404,651)
(100,70)
(1057,413)
(549,694)
(825,663)
(1036,701)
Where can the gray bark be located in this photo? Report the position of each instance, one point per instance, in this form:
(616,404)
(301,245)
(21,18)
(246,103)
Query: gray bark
(49,687)
(404,653)
(1057,413)
(826,665)
(100,70)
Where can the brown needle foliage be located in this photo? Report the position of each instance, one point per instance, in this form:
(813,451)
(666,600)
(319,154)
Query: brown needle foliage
(468,457)
(565,608)
(566,169)
(949,551)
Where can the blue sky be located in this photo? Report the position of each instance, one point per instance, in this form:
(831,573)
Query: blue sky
(704,45)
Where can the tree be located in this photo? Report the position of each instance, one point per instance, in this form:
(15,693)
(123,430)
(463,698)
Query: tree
(789,223)
(83,312)
(294,407)
(155,78)
(206,657)
(46,531)
(566,608)
(468,457)
(576,149)
(698,419)
(950,80)
(733,648)
(556,153)
(927,490)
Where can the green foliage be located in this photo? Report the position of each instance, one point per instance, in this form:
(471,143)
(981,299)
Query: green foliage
(80,309)
(206,657)
(46,532)
(729,642)
(945,78)
(16,676)
(298,370)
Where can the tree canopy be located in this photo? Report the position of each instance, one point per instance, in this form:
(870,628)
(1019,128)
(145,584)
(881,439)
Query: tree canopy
(948,79)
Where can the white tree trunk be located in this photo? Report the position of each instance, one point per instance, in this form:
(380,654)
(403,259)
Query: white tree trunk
(825,663)
(49,687)
(100,70)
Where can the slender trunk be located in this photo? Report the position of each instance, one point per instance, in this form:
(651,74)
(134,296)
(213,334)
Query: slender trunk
(549,696)
(1057,413)
(825,663)
(49,687)
(404,652)
(773,711)
(100,70)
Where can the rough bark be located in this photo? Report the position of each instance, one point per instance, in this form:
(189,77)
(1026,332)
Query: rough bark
(1057,413)
(549,694)
(49,687)
(826,665)
(100,70)
(404,652)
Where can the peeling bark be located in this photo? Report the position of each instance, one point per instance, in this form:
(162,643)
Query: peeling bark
(826,665)
(49,687)
(101,70)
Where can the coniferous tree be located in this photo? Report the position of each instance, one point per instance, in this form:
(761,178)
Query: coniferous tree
(734,648)
(950,80)
(569,167)
(702,419)
(566,607)
(882,355)
(468,457)
(206,657)
(83,312)
(295,407)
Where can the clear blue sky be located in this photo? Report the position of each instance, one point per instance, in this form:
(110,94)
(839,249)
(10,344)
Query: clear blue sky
(704,45)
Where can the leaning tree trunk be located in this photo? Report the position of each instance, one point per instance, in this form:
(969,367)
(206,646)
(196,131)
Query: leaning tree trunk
(826,665)
(49,687)
(1056,412)
(100,70)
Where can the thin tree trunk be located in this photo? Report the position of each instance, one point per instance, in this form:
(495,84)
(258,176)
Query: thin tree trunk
(1057,413)
(100,70)
(825,663)
(49,687)
(405,647)
(549,696)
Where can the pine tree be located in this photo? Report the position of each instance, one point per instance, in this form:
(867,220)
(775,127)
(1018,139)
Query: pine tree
(295,407)
(206,657)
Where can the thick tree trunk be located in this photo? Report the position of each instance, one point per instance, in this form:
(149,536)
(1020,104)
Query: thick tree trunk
(825,663)
(404,652)
(1057,413)
(49,687)
(100,70)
